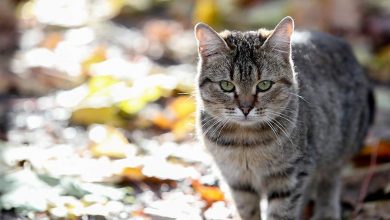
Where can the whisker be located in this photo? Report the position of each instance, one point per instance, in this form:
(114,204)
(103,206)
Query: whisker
(281,51)
(211,127)
(283,41)
(223,126)
(282,116)
(219,127)
(274,131)
(283,129)
(300,97)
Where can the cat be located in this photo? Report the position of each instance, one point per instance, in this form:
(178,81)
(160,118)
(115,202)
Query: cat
(280,111)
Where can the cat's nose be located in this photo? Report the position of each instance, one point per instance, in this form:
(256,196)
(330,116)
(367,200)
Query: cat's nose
(246,110)
(246,103)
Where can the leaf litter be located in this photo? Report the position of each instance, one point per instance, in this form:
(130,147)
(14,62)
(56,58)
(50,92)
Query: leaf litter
(104,126)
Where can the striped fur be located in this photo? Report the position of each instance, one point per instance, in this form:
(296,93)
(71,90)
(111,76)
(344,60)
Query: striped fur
(298,134)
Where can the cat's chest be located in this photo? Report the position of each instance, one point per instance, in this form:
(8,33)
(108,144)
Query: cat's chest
(247,164)
(241,159)
(240,166)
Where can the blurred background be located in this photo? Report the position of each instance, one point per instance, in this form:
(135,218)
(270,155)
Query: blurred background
(97,106)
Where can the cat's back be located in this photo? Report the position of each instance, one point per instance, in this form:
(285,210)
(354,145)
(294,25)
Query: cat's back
(326,63)
(336,92)
(324,56)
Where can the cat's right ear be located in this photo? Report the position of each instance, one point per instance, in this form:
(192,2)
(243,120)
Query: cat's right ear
(209,41)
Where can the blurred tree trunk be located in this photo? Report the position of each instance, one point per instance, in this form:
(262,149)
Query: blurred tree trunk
(8,41)
(8,27)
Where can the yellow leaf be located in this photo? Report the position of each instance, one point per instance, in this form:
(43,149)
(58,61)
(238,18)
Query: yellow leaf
(104,115)
(184,127)
(99,84)
(116,6)
(152,94)
(133,173)
(109,141)
(206,11)
(132,106)
(183,106)
(97,56)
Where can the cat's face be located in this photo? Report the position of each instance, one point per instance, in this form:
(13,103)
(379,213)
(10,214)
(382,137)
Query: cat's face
(246,78)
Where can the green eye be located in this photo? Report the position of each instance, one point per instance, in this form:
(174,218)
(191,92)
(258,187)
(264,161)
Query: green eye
(226,86)
(264,85)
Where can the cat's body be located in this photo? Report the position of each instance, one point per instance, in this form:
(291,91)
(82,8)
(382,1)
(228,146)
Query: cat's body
(291,137)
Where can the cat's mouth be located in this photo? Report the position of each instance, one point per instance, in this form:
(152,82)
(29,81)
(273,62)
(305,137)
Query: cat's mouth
(253,118)
(246,120)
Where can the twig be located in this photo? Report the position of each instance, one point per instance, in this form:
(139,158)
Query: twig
(366,181)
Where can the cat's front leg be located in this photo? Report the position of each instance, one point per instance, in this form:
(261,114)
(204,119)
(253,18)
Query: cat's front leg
(327,203)
(247,201)
(283,205)
(285,195)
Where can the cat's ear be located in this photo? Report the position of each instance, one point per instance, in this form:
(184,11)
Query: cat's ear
(280,39)
(209,42)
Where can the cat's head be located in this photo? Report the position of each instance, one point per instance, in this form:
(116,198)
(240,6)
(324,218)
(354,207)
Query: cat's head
(245,77)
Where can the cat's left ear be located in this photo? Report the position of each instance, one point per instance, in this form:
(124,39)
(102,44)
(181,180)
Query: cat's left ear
(280,39)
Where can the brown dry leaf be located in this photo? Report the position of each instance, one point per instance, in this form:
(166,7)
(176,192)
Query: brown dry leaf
(161,121)
(140,214)
(52,40)
(42,80)
(382,150)
(160,30)
(375,210)
(210,194)
(352,183)
(135,174)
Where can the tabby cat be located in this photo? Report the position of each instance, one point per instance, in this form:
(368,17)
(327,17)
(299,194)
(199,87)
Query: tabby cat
(281,112)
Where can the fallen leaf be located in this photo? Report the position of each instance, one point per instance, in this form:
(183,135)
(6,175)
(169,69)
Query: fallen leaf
(207,12)
(162,121)
(52,40)
(182,106)
(382,151)
(90,115)
(132,106)
(133,174)
(109,141)
(98,85)
(97,56)
(184,127)
(210,194)
(352,184)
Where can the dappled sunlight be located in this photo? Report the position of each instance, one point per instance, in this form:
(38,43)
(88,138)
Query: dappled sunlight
(97,107)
